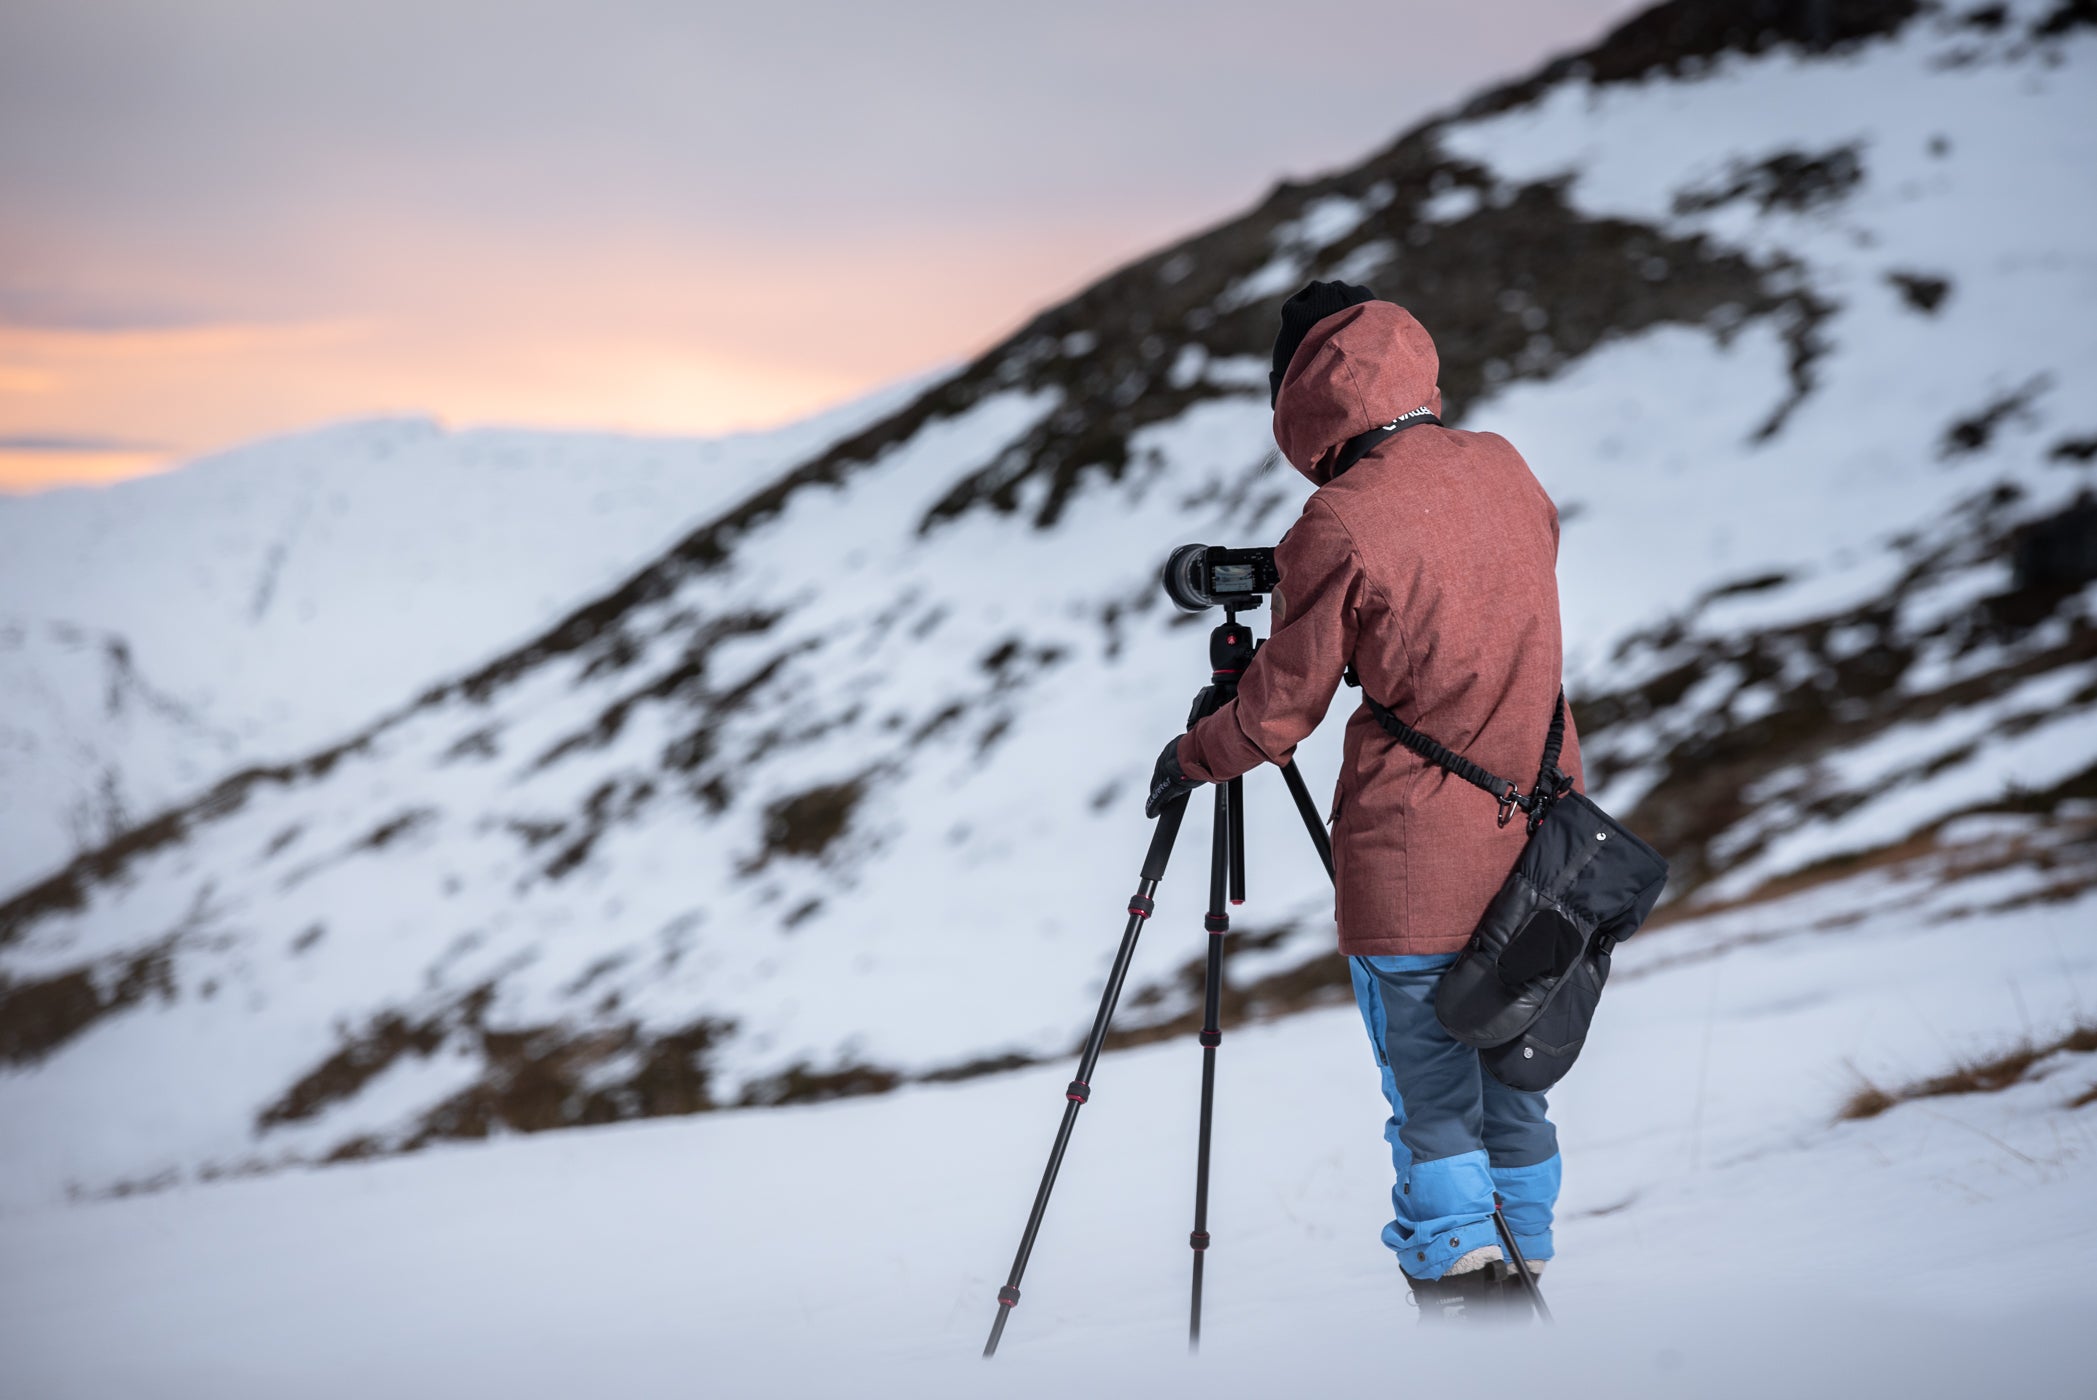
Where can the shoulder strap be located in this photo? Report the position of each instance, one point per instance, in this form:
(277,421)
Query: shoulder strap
(1550,783)
(1360,445)
(1553,743)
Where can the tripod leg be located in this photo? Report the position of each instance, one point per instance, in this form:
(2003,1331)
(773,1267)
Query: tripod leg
(1514,1252)
(1080,1088)
(1237,786)
(1308,810)
(1225,863)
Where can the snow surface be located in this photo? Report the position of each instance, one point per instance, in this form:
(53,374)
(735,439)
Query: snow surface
(1720,1234)
(157,634)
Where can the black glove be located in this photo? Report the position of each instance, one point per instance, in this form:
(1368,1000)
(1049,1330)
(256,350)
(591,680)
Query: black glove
(1167,782)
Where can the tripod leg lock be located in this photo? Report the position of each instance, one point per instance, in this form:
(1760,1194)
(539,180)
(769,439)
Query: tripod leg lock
(1198,1240)
(1142,906)
(1211,1039)
(1078,1091)
(1216,923)
(1008,1297)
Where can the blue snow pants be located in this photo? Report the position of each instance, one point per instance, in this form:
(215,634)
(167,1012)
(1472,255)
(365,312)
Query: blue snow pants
(1457,1134)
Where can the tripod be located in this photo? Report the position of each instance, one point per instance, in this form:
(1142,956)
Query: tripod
(1231,647)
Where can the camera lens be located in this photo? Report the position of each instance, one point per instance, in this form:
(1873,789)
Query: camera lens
(1183,579)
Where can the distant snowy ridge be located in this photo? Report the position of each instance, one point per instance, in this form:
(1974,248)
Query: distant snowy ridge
(158,634)
(841,789)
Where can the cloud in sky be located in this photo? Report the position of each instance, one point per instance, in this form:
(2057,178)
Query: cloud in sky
(226,217)
(88,445)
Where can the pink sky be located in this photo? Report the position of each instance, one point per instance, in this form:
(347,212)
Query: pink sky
(221,220)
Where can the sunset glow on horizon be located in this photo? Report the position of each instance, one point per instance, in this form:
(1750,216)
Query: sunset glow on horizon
(220,222)
(665,339)
(699,360)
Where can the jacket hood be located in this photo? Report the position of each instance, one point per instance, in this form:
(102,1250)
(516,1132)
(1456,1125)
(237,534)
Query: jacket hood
(1357,369)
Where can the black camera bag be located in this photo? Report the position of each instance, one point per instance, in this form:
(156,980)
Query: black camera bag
(1525,988)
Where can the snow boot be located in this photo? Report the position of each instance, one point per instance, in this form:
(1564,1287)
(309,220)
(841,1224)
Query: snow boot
(1508,1300)
(1469,1289)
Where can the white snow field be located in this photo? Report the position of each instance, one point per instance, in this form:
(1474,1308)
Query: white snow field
(1720,1234)
(157,634)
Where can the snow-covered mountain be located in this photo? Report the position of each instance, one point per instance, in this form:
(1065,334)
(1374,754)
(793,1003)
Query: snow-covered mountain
(160,634)
(841,789)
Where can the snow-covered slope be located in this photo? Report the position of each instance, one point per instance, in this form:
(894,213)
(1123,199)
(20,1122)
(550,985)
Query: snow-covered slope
(841,790)
(159,634)
(1721,1234)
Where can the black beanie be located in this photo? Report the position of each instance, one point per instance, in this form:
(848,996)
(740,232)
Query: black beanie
(1307,308)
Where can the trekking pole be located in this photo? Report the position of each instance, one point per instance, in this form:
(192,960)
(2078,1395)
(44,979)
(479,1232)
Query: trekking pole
(1226,863)
(1514,1252)
(1080,1088)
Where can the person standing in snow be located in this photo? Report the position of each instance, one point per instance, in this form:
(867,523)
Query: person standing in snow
(1429,566)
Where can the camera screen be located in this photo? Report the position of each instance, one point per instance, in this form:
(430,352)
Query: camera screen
(1233,578)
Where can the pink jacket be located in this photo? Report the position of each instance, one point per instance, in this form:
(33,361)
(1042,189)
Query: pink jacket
(1431,564)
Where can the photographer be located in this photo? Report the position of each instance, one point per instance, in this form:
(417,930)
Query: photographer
(1426,561)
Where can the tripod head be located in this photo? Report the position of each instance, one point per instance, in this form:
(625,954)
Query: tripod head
(1231,645)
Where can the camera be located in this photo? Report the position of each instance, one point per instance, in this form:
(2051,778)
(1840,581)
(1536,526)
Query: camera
(1202,576)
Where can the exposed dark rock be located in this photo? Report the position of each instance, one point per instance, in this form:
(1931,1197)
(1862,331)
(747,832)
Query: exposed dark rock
(1172,1008)
(361,1059)
(531,1078)
(684,682)
(1480,284)
(1789,180)
(1684,36)
(976,1069)
(37,1017)
(806,824)
(1828,683)
(1988,1075)
(534,834)
(2059,553)
(805,1084)
(1973,433)
(67,890)
(1920,290)
(599,969)
(386,833)
(540,1079)
(611,802)
(479,744)
(2069,14)
(1759,583)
